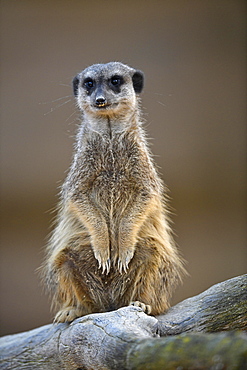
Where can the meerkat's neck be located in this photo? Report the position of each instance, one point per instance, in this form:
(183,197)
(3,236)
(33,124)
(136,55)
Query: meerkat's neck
(112,125)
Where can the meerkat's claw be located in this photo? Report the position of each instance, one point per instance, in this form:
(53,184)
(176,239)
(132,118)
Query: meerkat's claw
(106,266)
(68,314)
(99,267)
(129,257)
(122,266)
(145,307)
(124,260)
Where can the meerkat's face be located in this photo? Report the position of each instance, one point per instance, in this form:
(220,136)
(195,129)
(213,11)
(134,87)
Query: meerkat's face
(107,89)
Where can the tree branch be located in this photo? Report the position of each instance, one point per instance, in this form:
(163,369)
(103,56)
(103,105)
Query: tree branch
(221,307)
(129,339)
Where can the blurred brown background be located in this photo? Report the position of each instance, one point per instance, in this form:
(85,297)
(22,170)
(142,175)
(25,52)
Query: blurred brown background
(193,55)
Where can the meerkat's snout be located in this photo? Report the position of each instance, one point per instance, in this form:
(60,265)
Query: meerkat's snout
(100,101)
(99,98)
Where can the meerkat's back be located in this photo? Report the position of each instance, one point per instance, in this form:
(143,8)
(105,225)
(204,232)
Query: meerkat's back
(112,244)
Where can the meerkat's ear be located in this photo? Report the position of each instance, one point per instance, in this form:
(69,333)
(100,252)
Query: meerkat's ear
(76,81)
(138,81)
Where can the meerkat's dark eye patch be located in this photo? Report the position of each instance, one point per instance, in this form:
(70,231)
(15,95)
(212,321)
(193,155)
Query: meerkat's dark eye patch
(88,83)
(115,82)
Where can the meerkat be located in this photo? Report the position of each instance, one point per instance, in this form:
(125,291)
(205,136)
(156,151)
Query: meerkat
(112,244)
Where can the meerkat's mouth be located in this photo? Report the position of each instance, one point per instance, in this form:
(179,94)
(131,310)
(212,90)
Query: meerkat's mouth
(101,106)
(105,106)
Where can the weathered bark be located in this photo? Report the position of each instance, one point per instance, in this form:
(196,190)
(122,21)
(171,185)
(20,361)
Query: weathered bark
(129,339)
(226,350)
(221,307)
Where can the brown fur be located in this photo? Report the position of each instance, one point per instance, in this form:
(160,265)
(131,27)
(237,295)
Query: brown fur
(112,244)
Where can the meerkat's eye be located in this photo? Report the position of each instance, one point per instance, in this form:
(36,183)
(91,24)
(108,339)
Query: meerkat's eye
(116,80)
(88,83)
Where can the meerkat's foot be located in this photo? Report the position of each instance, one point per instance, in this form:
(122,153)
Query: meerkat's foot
(104,261)
(145,307)
(124,260)
(68,314)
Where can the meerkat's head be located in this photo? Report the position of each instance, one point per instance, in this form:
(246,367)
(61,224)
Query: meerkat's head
(108,89)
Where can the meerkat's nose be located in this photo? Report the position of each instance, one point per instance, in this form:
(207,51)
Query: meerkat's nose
(100,100)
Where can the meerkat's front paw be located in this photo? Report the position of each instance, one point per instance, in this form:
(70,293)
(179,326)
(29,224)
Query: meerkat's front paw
(145,307)
(68,314)
(104,261)
(124,260)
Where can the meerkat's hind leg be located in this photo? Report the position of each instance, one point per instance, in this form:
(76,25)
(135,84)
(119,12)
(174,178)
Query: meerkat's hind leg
(145,307)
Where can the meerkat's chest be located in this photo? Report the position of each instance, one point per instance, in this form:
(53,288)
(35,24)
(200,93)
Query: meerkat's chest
(111,173)
(114,178)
